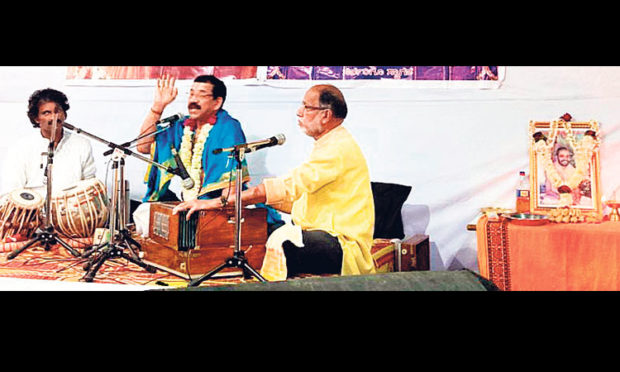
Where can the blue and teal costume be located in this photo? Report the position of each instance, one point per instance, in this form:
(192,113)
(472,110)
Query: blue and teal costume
(219,169)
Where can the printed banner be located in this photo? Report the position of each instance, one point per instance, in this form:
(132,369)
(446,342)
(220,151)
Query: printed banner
(100,73)
(444,73)
(293,76)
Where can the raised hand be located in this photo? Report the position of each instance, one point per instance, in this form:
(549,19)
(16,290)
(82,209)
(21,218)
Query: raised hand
(165,93)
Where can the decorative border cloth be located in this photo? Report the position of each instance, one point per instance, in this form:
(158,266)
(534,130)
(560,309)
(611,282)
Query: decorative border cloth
(493,255)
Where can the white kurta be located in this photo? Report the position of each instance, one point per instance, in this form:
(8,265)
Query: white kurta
(24,167)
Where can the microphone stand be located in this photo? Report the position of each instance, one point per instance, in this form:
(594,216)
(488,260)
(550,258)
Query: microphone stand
(122,238)
(48,236)
(238,258)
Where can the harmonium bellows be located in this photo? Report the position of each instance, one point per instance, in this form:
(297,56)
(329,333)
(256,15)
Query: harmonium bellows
(214,228)
(173,231)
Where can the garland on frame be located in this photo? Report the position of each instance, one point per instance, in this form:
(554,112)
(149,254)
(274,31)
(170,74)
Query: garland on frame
(583,148)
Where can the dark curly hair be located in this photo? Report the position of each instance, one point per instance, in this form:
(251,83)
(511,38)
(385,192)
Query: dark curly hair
(45,95)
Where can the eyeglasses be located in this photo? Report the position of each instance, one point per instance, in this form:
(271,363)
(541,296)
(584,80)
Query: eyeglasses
(308,108)
(199,95)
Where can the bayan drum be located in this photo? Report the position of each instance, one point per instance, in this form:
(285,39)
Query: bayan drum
(77,211)
(20,214)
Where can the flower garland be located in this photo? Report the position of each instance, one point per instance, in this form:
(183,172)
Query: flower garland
(191,156)
(583,153)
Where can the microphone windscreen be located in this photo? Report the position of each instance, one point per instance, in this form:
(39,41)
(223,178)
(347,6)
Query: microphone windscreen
(188,183)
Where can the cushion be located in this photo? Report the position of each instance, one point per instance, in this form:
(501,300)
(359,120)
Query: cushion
(383,255)
(389,199)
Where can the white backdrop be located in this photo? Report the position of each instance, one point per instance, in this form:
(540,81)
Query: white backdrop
(460,149)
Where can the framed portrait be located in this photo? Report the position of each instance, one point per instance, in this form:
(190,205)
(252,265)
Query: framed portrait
(564,167)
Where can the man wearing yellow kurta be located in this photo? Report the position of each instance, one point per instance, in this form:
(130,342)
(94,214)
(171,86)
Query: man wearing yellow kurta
(329,198)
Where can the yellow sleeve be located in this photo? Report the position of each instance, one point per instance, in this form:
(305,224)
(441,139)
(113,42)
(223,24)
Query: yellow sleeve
(276,194)
(319,170)
(323,167)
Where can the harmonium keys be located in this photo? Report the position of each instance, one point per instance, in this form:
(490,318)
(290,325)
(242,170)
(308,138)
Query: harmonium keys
(214,228)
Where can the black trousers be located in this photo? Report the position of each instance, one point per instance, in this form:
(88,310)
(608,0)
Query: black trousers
(321,254)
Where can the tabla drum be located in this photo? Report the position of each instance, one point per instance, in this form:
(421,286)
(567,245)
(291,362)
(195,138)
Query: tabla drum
(77,211)
(20,213)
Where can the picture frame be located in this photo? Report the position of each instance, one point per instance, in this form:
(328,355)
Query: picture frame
(565,167)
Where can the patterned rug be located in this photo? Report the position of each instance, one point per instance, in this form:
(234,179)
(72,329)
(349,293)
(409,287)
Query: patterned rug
(58,264)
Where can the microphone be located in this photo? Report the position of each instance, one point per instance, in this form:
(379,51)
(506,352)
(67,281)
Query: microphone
(170,119)
(54,126)
(278,139)
(188,182)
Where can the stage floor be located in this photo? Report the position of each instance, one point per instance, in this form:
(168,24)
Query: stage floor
(36,269)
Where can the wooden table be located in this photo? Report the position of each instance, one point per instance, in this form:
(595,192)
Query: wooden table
(551,257)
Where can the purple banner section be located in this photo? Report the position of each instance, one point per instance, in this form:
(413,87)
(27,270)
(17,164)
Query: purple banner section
(154,72)
(382,72)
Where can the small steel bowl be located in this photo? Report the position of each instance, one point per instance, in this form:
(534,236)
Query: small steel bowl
(527,219)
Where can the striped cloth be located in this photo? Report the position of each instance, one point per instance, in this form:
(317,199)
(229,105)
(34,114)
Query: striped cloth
(73,243)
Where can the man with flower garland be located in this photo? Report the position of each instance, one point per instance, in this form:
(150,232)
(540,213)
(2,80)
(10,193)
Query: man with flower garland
(329,198)
(194,137)
(565,167)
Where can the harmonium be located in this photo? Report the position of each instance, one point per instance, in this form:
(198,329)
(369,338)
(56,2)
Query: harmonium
(191,248)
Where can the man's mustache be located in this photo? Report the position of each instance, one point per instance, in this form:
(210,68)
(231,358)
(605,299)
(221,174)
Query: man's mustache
(51,122)
(194,106)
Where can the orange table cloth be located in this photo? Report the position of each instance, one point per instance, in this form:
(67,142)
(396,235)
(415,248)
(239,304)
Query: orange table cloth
(551,257)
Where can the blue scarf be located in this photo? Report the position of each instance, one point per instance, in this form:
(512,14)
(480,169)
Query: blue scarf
(219,169)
